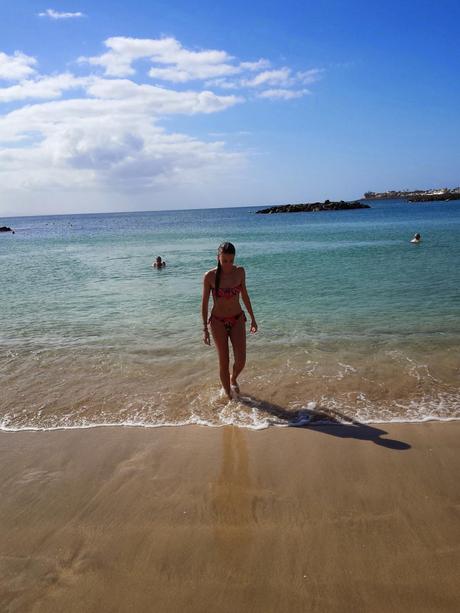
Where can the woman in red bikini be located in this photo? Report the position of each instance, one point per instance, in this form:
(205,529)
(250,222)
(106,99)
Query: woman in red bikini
(227,319)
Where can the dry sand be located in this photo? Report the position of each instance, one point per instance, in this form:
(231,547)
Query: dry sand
(197,519)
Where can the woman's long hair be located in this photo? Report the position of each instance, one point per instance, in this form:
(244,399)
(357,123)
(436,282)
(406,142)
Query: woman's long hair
(223,248)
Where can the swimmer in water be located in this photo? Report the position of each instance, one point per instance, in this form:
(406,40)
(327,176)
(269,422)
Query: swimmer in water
(227,321)
(159,263)
(417,238)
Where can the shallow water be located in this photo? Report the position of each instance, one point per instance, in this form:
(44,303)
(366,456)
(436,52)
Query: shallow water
(355,322)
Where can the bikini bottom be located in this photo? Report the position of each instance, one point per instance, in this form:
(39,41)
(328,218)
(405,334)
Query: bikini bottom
(228,322)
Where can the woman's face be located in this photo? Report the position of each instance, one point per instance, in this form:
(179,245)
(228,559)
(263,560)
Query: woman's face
(226,261)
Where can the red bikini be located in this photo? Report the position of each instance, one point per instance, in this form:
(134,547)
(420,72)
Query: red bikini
(227,292)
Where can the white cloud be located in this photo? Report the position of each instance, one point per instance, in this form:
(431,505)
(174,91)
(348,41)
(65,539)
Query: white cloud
(181,75)
(52,14)
(188,66)
(17,66)
(222,83)
(283,94)
(124,51)
(104,133)
(309,76)
(110,138)
(42,87)
(284,77)
(259,65)
(101,146)
(158,100)
(172,62)
(270,77)
(281,77)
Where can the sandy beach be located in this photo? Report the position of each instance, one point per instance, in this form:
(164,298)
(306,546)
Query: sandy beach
(326,518)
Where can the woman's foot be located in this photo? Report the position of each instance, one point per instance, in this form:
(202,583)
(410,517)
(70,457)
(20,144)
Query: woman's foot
(234,386)
(226,393)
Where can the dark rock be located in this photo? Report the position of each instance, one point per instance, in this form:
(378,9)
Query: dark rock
(327,205)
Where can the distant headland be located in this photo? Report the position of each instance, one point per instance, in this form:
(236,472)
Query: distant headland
(418,195)
(312,207)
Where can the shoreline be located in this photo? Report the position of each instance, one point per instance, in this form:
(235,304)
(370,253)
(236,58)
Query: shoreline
(324,518)
(300,424)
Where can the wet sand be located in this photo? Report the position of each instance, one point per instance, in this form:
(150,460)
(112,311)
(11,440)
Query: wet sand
(197,519)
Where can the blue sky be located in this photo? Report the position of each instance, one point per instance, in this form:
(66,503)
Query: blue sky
(153,105)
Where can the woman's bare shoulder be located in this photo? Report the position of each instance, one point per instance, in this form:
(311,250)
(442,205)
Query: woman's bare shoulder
(209,275)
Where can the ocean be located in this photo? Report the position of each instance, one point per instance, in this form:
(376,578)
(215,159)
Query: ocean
(356,324)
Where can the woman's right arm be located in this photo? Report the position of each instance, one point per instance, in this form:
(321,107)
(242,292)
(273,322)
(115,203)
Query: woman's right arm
(204,308)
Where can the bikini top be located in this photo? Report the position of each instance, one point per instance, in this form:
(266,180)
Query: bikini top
(227,292)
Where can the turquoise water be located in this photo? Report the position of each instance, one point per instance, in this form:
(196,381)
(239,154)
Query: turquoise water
(354,320)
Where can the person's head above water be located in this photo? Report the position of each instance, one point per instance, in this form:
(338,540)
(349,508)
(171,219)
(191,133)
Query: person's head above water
(158,259)
(225,259)
(417,236)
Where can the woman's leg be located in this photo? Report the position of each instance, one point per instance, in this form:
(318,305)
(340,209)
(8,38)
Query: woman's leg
(220,336)
(238,339)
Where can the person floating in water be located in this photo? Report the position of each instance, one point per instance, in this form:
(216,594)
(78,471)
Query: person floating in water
(159,263)
(417,238)
(227,319)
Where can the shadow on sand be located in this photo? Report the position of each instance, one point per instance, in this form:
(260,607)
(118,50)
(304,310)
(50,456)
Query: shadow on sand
(327,421)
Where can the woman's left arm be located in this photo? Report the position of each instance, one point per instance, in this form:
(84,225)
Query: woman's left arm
(247,302)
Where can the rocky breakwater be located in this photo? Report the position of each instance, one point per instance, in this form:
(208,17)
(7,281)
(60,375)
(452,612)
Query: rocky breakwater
(313,207)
